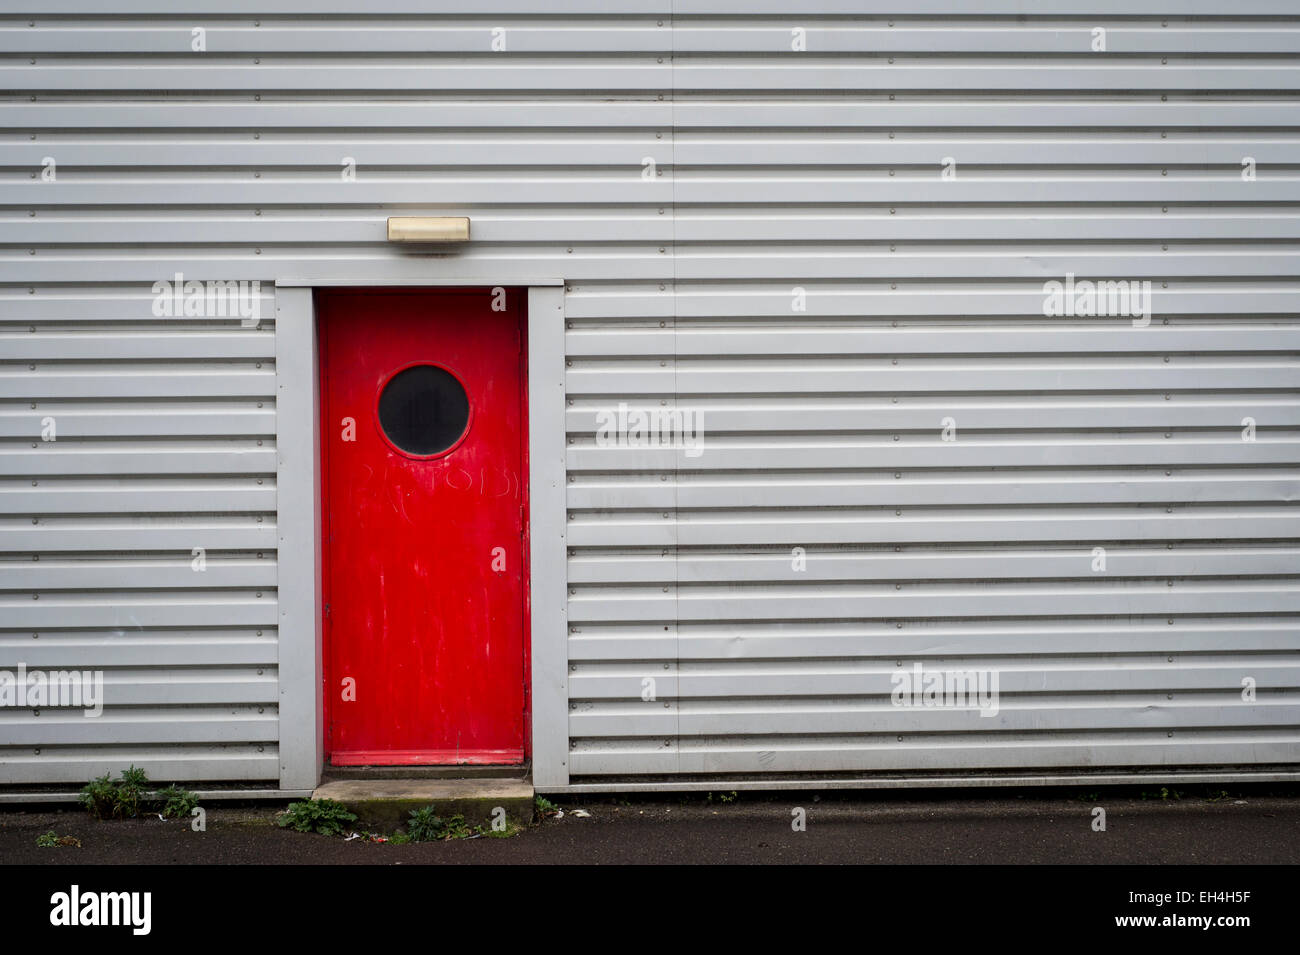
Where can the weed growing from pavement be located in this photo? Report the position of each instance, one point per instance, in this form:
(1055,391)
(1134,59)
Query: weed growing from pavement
(123,798)
(52,840)
(176,802)
(425,825)
(325,816)
(544,807)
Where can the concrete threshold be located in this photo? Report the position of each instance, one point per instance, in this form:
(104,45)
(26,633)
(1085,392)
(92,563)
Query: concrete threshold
(385,803)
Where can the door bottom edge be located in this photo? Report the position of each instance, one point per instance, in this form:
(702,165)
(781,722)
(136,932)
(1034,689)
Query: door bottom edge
(428,757)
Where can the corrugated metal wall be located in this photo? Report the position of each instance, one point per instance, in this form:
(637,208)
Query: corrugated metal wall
(773,170)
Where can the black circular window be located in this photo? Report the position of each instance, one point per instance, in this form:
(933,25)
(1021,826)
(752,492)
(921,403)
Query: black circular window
(423,410)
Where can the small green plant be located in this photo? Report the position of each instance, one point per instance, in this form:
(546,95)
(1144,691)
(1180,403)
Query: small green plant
(1164,793)
(425,825)
(544,806)
(99,796)
(325,816)
(131,790)
(399,839)
(52,840)
(105,798)
(176,802)
(1218,795)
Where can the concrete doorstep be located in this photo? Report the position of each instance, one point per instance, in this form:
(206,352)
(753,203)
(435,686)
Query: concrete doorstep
(384,804)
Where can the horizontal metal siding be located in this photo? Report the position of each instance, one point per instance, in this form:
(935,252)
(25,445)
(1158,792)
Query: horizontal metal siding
(772,170)
(924,301)
(164,442)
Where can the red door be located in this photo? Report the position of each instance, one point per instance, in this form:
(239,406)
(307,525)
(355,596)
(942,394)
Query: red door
(423,437)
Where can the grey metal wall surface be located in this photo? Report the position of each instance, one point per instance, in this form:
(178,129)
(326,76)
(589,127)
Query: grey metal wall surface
(690,173)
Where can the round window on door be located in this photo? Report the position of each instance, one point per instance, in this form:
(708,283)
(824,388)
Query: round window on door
(423,411)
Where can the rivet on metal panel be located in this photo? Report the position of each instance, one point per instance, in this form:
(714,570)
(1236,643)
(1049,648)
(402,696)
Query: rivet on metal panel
(259,671)
(36,712)
(898,586)
(37,751)
(899,625)
(1170,621)
(900,739)
(897,475)
(36,596)
(36,636)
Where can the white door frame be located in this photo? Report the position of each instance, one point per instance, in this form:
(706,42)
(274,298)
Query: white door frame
(298,512)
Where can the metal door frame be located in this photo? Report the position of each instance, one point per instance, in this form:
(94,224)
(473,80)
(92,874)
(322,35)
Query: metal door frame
(298,500)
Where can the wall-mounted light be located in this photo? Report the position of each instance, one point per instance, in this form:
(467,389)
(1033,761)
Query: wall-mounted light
(428,229)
